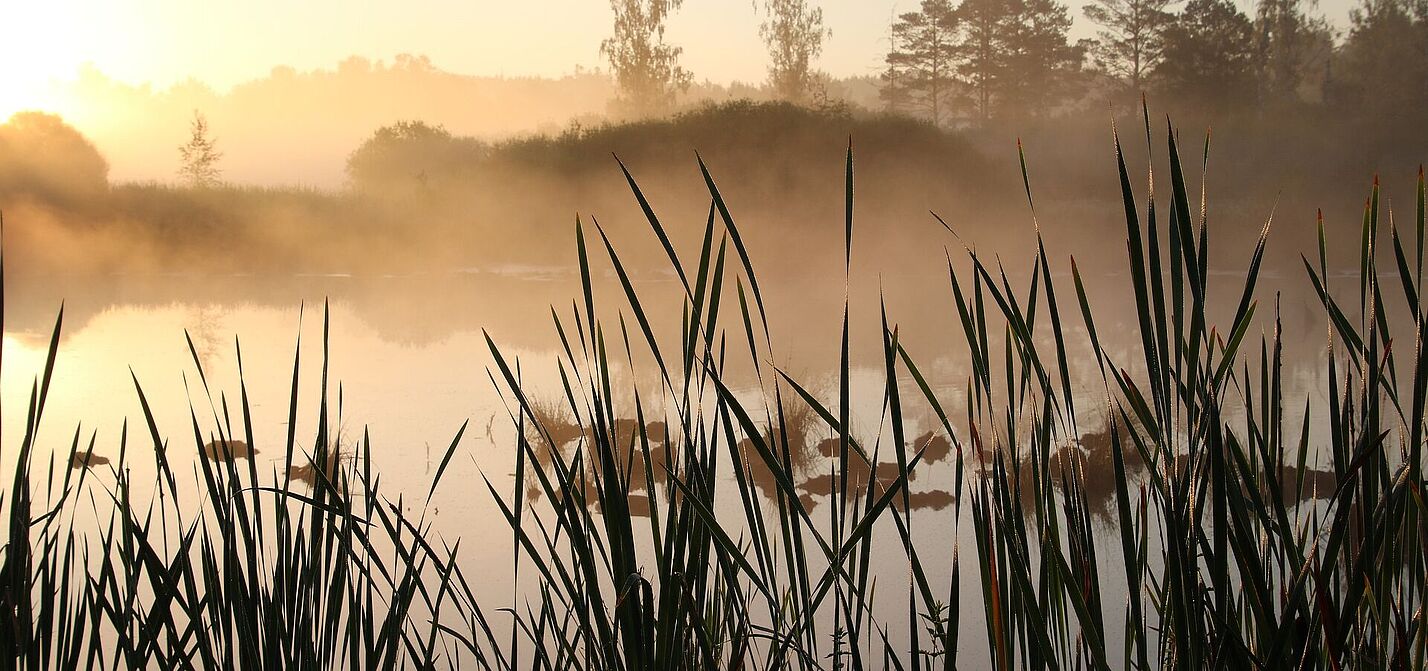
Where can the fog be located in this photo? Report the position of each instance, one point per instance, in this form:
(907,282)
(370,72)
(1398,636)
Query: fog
(430,223)
(296,127)
(349,172)
(661,271)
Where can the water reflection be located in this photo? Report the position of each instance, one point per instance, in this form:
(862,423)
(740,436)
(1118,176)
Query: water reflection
(87,459)
(555,433)
(1088,461)
(331,472)
(227,450)
(934,499)
(811,465)
(1309,485)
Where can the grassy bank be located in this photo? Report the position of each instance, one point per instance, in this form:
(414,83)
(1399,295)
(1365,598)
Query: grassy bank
(429,199)
(671,533)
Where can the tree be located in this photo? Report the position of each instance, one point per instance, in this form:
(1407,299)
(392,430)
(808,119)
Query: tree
(413,154)
(1041,64)
(646,69)
(1131,42)
(1383,65)
(199,157)
(1288,45)
(41,155)
(982,51)
(1008,56)
(1208,57)
(794,35)
(893,89)
(923,58)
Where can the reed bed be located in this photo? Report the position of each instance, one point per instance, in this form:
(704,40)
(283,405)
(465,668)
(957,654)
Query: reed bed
(677,537)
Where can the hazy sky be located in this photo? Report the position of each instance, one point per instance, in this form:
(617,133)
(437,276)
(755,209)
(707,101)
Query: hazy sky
(223,42)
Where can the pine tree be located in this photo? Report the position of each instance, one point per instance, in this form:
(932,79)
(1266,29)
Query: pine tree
(982,50)
(1042,65)
(1208,60)
(1131,42)
(199,157)
(893,90)
(1004,57)
(923,59)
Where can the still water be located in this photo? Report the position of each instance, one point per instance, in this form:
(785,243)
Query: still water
(409,365)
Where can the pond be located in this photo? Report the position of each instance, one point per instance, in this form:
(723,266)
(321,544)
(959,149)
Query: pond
(408,366)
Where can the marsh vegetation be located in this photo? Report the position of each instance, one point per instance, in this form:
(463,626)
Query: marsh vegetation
(1162,491)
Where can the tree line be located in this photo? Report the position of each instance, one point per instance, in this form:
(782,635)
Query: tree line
(970,62)
(978,60)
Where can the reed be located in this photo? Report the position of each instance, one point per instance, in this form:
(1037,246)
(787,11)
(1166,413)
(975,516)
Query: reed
(670,531)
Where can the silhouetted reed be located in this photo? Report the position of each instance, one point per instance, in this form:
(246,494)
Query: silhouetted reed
(690,539)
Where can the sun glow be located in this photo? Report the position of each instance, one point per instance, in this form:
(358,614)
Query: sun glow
(33,40)
(42,43)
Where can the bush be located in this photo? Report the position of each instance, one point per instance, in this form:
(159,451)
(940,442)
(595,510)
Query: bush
(43,156)
(412,154)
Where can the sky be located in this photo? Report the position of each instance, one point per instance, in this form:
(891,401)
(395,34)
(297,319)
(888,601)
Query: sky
(225,42)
